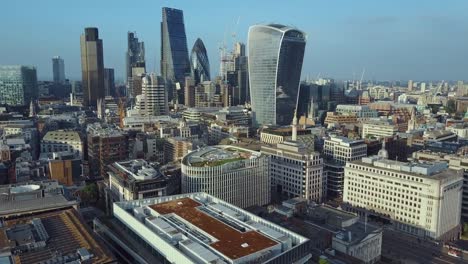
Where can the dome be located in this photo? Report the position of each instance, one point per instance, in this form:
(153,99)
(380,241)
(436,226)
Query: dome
(383,153)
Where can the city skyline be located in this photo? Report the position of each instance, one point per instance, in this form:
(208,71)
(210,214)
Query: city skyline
(391,41)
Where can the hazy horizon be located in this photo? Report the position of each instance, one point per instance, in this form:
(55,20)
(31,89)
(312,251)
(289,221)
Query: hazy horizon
(396,40)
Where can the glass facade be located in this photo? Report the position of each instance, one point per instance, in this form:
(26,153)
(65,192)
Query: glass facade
(135,53)
(199,63)
(275,60)
(175,64)
(58,69)
(18,85)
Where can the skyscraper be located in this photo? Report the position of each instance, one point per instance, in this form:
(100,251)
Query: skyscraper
(92,67)
(58,69)
(410,85)
(199,63)
(135,54)
(175,63)
(18,84)
(109,83)
(154,97)
(275,60)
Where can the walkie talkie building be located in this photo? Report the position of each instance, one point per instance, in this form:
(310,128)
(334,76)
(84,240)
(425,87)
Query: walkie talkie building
(276,53)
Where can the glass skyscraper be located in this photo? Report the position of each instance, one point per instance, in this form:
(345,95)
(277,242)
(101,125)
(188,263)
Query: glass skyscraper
(199,63)
(135,53)
(275,60)
(58,69)
(18,85)
(175,63)
(92,67)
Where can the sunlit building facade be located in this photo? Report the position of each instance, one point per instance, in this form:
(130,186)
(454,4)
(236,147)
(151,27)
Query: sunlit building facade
(275,60)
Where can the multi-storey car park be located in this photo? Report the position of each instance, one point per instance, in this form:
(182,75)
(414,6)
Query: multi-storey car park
(200,228)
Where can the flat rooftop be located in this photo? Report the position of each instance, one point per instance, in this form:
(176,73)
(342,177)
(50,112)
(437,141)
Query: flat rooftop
(231,242)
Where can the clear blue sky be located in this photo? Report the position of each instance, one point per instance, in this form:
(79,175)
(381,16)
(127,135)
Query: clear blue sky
(393,39)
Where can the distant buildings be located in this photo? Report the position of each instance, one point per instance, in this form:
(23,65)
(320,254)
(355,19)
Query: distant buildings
(18,85)
(135,56)
(236,175)
(275,60)
(379,128)
(109,83)
(58,69)
(238,77)
(423,199)
(153,100)
(199,228)
(175,63)
(92,67)
(199,63)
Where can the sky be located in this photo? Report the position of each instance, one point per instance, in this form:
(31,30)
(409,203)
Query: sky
(390,39)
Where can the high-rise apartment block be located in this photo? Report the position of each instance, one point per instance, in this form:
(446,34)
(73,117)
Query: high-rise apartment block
(58,69)
(92,67)
(236,175)
(275,60)
(421,198)
(18,85)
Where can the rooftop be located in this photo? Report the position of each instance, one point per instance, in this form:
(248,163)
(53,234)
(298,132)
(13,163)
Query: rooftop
(231,242)
(50,233)
(213,230)
(217,156)
(138,169)
(62,135)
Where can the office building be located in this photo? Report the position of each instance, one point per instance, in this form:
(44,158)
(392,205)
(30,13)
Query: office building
(199,63)
(455,162)
(62,140)
(410,85)
(65,167)
(175,148)
(92,67)
(109,83)
(175,63)
(58,69)
(236,175)
(421,198)
(137,179)
(189,93)
(200,228)
(337,151)
(135,56)
(153,100)
(295,170)
(106,144)
(275,60)
(361,111)
(18,85)
(379,128)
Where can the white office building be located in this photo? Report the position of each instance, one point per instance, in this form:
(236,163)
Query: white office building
(200,228)
(153,100)
(360,111)
(421,198)
(337,151)
(379,128)
(236,175)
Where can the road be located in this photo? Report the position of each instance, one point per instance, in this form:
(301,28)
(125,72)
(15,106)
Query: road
(408,249)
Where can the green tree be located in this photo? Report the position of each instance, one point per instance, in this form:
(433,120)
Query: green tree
(323,261)
(89,194)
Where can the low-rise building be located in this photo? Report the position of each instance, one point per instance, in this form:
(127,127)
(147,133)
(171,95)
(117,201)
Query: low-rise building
(200,228)
(379,128)
(62,140)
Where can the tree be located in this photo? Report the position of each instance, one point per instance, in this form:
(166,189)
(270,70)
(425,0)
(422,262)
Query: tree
(323,261)
(89,194)
(451,106)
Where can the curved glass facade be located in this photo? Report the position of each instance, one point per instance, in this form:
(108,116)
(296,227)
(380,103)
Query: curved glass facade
(276,53)
(199,63)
